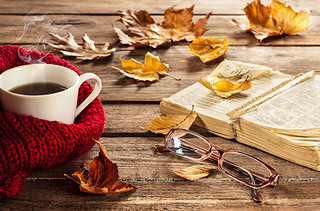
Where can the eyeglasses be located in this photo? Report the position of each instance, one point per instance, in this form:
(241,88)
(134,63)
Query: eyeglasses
(240,166)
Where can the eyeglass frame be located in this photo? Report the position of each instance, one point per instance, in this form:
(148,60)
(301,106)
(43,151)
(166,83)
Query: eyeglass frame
(272,181)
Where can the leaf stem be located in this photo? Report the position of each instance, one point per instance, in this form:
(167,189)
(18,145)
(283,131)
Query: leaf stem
(132,50)
(205,44)
(177,79)
(243,82)
(66,175)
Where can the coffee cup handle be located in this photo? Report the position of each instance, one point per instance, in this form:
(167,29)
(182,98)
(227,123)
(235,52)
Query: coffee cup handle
(96,90)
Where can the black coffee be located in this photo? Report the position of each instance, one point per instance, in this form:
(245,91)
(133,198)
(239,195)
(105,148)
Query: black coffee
(41,88)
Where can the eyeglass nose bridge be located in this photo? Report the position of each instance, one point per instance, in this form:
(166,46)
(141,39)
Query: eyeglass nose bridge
(208,153)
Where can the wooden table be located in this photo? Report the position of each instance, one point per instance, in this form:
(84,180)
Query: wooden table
(130,105)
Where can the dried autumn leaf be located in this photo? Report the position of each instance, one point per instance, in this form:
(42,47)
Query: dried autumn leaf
(87,51)
(277,19)
(194,172)
(287,19)
(144,72)
(102,176)
(224,88)
(208,49)
(177,25)
(164,124)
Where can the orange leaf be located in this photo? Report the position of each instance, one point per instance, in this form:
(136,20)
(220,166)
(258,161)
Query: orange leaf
(275,20)
(102,176)
(207,48)
(144,72)
(177,25)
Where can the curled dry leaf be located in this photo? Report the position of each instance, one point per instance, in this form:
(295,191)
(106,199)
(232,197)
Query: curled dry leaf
(207,48)
(102,176)
(177,25)
(164,124)
(277,19)
(223,88)
(144,72)
(194,172)
(87,51)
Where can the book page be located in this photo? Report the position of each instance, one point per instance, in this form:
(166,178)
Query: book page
(252,104)
(296,111)
(208,103)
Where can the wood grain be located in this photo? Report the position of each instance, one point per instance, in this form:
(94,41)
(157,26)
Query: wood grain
(158,7)
(163,195)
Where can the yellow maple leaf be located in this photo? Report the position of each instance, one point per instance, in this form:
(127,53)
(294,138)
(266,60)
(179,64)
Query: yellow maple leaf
(144,72)
(207,48)
(164,124)
(277,19)
(223,88)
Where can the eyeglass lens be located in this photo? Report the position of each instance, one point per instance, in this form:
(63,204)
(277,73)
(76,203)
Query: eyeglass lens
(245,168)
(188,145)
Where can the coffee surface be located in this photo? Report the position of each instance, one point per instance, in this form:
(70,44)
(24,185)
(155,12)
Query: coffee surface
(41,88)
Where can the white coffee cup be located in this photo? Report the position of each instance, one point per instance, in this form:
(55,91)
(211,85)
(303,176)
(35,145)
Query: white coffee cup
(60,106)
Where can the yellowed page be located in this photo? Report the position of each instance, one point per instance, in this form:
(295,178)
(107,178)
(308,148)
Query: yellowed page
(295,112)
(255,102)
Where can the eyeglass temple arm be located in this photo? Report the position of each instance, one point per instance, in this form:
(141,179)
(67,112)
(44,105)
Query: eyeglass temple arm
(255,194)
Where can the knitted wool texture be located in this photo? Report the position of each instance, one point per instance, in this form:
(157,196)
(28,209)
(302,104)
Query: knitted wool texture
(28,143)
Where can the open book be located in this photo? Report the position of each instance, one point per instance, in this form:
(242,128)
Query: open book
(280,114)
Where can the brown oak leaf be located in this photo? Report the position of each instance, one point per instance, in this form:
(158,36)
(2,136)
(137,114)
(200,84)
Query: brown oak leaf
(273,20)
(102,176)
(177,25)
(87,51)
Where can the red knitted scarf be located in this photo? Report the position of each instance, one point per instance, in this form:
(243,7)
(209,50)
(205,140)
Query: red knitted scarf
(28,143)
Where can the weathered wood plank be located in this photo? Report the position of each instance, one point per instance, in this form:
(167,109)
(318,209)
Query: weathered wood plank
(129,117)
(35,28)
(111,6)
(162,195)
(136,160)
